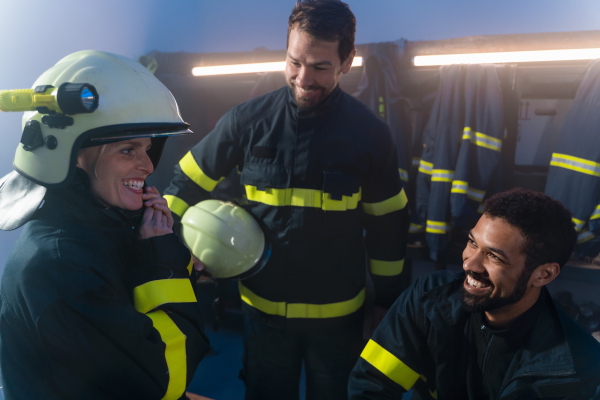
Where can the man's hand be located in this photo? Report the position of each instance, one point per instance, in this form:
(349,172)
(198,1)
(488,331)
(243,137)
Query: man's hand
(157,219)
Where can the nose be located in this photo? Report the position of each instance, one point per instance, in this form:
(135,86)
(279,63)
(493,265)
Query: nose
(304,77)
(472,260)
(145,163)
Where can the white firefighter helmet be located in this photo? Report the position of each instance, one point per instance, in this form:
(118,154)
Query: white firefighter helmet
(129,102)
(93,98)
(225,238)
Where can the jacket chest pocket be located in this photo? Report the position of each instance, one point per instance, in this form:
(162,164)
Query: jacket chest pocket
(340,201)
(266,184)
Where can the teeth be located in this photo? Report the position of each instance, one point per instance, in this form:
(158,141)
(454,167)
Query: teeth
(133,184)
(475,283)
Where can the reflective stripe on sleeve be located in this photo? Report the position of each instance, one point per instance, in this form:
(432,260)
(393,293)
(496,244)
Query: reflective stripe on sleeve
(425,167)
(148,296)
(482,140)
(579,224)
(462,187)
(437,227)
(299,197)
(192,170)
(386,268)
(585,236)
(301,310)
(575,164)
(389,365)
(403,174)
(175,354)
(396,203)
(596,213)
(442,175)
(176,205)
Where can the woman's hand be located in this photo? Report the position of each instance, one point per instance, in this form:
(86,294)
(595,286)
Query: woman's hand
(157,219)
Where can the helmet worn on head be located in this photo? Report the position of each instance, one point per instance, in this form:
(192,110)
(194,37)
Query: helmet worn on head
(130,103)
(225,238)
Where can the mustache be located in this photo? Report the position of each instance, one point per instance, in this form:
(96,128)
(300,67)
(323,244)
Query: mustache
(478,277)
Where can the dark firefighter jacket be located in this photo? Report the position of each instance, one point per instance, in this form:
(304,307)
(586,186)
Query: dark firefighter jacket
(313,182)
(574,173)
(421,345)
(461,159)
(90,312)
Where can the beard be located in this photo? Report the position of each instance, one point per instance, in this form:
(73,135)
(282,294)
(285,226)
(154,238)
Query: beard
(474,303)
(307,103)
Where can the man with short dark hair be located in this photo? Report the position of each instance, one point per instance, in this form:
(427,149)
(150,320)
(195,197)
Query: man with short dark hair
(492,331)
(319,169)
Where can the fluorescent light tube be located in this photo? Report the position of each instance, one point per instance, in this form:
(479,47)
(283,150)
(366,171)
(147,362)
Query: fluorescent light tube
(250,68)
(507,57)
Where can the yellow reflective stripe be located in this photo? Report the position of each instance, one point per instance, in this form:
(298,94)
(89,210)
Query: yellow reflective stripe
(192,170)
(190,266)
(175,354)
(301,310)
(389,365)
(482,140)
(386,268)
(396,203)
(462,187)
(403,174)
(176,205)
(442,175)
(585,236)
(416,161)
(415,228)
(575,164)
(438,227)
(425,167)
(596,213)
(299,197)
(579,224)
(148,296)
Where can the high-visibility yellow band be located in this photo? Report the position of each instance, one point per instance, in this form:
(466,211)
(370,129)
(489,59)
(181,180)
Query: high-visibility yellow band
(389,365)
(403,174)
(596,213)
(190,266)
(462,187)
(148,296)
(482,140)
(175,354)
(575,164)
(396,203)
(192,170)
(301,310)
(585,236)
(176,205)
(437,227)
(579,224)
(299,197)
(386,268)
(442,175)
(425,167)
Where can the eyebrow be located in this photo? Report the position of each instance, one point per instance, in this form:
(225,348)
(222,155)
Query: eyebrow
(327,63)
(495,250)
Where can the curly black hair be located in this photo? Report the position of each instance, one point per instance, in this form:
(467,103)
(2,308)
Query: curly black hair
(328,20)
(545,223)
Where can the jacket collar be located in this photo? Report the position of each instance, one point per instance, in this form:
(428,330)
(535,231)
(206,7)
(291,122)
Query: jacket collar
(322,108)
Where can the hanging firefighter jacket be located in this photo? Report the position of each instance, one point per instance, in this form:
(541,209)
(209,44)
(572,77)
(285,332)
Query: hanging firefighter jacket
(574,173)
(378,88)
(461,158)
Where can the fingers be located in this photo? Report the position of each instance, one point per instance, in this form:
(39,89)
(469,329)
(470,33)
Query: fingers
(153,199)
(154,223)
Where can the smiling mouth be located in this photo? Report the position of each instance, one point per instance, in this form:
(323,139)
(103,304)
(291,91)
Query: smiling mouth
(475,283)
(133,184)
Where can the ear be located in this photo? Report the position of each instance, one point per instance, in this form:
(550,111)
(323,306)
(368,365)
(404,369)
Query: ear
(348,63)
(544,274)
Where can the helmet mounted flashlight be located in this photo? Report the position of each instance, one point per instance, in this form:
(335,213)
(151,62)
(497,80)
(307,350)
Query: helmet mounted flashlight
(68,98)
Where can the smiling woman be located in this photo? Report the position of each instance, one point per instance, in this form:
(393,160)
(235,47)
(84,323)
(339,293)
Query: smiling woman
(97,300)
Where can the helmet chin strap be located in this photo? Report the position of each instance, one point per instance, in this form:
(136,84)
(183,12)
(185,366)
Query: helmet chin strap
(19,198)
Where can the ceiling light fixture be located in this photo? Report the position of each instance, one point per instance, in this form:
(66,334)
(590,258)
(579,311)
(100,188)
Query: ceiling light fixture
(507,57)
(250,68)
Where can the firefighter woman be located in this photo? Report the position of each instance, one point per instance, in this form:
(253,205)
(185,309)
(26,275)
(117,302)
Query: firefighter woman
(96,296)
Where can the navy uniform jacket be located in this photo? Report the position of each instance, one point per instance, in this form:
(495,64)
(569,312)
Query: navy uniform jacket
(314,182)
(420,345)
(88,311)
